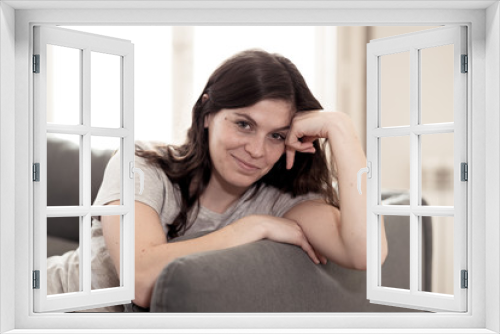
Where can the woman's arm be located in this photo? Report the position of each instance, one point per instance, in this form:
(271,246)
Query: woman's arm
(339,235)
(153,252)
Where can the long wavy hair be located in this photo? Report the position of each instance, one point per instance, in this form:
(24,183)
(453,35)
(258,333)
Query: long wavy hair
(241,81)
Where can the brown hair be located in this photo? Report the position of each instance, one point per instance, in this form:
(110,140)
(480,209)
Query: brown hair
(241,81)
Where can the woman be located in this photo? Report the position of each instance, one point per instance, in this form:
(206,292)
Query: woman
(252,168)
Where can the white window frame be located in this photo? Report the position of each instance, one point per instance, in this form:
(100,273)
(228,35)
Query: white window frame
(413,44)
(484,146)
(123,50)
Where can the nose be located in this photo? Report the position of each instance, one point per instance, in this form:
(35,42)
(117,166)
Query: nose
(255,147)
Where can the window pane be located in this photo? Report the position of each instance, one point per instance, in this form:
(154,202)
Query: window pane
(63,239)
(63,85)
(63,170)
(102,150)
(105,90)
(436,84)
(437,169)
(102,276)
(395,164)
(437,259)
(395,89)
(396,269)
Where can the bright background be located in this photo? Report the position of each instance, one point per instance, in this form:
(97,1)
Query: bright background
(172,65)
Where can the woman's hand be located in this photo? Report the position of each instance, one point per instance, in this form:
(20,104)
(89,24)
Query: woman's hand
(280,230)
(306,127)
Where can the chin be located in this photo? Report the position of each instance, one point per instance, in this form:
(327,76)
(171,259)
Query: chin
(241,181)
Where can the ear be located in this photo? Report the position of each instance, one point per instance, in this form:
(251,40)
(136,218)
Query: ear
(204,99)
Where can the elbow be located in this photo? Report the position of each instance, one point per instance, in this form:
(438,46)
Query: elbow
(384,248)
(360,264)
(358,261)
(146,275)
(145,280)
(143,290)
(384,252)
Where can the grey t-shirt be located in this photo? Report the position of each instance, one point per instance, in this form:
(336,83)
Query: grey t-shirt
(164,197)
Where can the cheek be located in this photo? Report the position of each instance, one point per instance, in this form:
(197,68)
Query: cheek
(223,139)
(275,152)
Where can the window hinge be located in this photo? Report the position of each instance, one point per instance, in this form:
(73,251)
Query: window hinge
(36,279)
(36,172)
(464,171)
(465,64)
(465,279)
(36,63)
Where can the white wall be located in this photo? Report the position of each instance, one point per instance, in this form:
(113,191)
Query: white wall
(337,15)
(492,185)
(7,170)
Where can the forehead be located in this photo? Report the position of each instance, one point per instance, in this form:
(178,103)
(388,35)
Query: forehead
(273,113)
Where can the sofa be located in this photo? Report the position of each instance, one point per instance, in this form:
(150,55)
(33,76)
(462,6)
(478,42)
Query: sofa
(264,276)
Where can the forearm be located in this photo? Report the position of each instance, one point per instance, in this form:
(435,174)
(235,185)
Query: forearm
(151,261)
(349,158)
(348,232)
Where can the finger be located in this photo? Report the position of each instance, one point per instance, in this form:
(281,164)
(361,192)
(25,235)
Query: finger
(299,145)
(310,251)
(290,156)
(310,150)
(305,147)
(308,139)
(321,257)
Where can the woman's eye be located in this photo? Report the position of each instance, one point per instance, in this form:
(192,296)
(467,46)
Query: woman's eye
(243,125)
(278,136)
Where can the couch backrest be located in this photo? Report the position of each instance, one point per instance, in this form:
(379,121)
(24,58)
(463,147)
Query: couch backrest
(396,269)
(63,181)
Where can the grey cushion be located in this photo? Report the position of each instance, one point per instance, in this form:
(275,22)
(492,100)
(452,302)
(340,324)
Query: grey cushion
(264,276)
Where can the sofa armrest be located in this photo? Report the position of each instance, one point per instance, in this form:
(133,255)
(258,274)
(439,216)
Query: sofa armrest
(264,276)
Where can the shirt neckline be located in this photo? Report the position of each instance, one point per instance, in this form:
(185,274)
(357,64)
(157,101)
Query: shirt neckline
(230,209)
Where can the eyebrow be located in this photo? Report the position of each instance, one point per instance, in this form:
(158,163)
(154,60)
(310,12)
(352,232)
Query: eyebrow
(251,120)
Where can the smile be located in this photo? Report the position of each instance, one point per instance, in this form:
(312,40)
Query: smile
(245,166)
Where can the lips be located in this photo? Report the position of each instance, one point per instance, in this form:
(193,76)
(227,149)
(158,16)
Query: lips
(245,165)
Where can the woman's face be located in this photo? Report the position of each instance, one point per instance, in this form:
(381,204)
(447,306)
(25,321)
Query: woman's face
(245,143)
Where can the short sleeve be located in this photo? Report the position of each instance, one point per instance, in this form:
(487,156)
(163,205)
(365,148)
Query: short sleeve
(285,202)
(154,189)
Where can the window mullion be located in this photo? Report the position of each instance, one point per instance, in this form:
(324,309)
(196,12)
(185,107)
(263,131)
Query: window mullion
(421,129)
(373,145)
(82,130)
(85,253)
(85,152)
(127,239)
(85,179)
(414,168)
(80,211)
